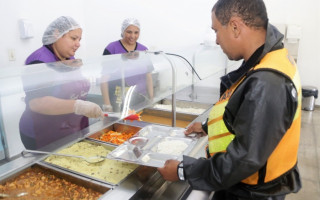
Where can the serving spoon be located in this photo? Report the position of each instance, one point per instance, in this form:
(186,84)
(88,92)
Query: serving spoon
(91,159)
(3,195)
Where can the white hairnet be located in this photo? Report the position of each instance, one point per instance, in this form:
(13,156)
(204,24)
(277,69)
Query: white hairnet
(58,28)
(127,22)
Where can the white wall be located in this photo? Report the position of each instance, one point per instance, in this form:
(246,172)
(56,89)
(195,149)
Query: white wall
(307,15)
(166,25)
(40,14)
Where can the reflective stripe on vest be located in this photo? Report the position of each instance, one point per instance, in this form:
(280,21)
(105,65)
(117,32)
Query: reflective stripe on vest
(219,136)
(286,151)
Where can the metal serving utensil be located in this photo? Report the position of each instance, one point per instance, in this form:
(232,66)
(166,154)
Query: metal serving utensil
(138,143)
(3,195)
(91,159)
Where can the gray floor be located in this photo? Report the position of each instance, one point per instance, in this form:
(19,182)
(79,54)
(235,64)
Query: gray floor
(309,157)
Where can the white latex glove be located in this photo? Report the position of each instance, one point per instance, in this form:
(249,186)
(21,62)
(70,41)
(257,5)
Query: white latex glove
(107,108)
(87,109)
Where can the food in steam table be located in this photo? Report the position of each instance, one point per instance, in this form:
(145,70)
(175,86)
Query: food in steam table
(39,183)
(115,137)
(112,171)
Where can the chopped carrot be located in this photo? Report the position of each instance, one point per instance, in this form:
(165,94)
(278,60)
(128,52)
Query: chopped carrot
(116,137)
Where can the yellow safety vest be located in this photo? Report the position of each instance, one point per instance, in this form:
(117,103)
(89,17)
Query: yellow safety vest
(219,136)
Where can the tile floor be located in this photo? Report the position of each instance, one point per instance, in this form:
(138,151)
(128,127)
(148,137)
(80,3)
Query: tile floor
(309,157)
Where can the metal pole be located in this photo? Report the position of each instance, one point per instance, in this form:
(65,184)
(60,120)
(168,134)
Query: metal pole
(173,67)
(3,154)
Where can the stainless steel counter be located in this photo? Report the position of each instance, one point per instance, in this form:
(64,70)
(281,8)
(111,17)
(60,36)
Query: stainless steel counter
(156,187)
(145,183)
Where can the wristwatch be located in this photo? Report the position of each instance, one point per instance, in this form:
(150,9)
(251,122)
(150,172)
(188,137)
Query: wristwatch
(180,171)
(204,125)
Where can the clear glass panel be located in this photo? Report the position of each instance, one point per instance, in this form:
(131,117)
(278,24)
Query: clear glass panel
(35,99)
(209,60)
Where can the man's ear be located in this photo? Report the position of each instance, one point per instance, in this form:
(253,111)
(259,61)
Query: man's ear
(234,24)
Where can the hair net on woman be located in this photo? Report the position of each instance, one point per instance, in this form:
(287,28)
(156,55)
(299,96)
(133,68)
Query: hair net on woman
(127,22)
(58,28)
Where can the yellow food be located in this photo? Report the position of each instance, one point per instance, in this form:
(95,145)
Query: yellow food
(111,171)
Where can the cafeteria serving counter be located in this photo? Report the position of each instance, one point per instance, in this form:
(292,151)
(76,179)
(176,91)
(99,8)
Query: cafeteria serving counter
(172,78)
(144,183)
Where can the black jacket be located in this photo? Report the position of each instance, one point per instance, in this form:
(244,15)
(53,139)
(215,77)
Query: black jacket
(259,113)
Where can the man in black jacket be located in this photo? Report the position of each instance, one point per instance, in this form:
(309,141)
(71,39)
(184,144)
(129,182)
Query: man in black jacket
(254,128)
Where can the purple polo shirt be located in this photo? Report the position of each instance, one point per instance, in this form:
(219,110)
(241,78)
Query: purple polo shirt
(116,47)
(43,55)
(62,84)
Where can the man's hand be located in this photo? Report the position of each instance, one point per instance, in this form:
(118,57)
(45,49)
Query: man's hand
(169,170)
(195,128)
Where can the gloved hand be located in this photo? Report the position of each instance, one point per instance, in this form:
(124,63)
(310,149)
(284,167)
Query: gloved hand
(87,109)
(107,108)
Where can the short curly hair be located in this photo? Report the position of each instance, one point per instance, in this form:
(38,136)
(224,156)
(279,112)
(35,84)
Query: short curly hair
(252,12)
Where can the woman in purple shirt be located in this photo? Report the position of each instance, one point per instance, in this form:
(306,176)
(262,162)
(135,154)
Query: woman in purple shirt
(136,75)
(55,102)
(130,32)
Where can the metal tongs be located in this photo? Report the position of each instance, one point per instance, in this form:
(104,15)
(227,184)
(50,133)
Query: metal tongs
(91,159)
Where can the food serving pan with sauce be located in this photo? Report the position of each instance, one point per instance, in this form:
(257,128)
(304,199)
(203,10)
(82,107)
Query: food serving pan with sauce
(153,145)
(40,181)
